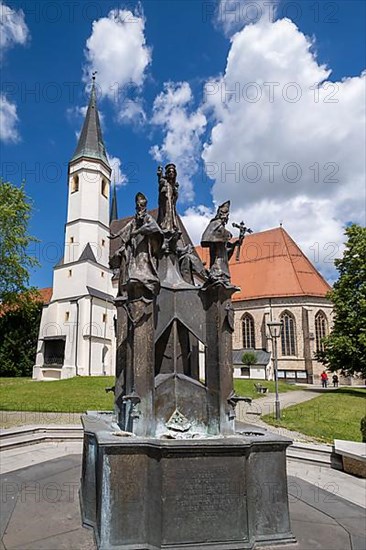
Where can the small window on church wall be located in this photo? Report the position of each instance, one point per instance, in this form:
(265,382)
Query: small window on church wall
(104,317)
(102,274)
(70,273)
(75,184)
(71,240)
(67,316)
(104,188)
(103,242)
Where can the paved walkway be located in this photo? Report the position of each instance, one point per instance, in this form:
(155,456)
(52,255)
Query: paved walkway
(251,413)
(40,511)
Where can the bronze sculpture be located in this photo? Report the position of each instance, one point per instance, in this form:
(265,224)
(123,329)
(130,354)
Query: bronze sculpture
(171,469)
(218,240)
(168,196)
(140,243)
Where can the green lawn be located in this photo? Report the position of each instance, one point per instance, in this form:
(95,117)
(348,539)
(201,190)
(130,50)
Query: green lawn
(80,393)
(333,415)
(73,395)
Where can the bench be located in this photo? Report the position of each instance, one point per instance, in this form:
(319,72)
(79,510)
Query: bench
(260,388)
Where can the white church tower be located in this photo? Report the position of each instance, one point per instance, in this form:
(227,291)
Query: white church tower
(77,327)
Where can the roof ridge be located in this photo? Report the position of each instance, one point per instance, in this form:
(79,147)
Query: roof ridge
(283,232)
(312,266)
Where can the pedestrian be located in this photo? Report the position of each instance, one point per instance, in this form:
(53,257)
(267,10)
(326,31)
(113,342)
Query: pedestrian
(335,380)
(324,378)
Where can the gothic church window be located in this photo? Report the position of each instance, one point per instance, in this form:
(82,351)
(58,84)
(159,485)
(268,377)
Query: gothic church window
(321,330)
(248,331)
(288,334)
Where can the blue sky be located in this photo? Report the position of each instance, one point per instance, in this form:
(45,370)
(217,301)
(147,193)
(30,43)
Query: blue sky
(173,59)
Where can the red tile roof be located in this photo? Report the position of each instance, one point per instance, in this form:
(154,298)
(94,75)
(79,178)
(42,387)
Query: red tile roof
(44,296)
(272,265)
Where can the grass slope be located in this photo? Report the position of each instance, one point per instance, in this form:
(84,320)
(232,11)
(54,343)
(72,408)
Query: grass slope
(81,393)
(333,415)
(73,395)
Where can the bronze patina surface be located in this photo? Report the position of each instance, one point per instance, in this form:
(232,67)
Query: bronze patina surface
(169,469)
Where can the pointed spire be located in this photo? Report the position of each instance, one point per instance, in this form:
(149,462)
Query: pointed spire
(114,211)
(91,144)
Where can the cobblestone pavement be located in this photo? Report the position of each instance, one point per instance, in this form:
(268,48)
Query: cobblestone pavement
(40,511)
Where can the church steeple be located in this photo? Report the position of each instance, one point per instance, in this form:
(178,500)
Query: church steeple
(114,211)
(91,144)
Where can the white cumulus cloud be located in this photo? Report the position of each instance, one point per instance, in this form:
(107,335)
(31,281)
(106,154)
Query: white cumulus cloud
(182,130)
(13,28)
(233,15)
(13,31)
(117,177)
(117,50)
(287,144)
(8,121)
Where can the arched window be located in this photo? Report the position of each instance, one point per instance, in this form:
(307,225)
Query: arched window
(288,338)
(248,331)
(321,330)
(75,184)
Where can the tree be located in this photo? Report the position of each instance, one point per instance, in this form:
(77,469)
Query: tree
(19,325)
(249,358)
(15,261)
(345,347)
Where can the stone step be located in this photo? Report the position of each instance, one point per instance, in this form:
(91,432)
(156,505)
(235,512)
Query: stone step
(21,437)
(321,455)
(32,429)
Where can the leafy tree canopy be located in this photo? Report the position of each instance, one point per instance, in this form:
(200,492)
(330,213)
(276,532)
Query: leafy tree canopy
(19,325)
(345,347)
(15,261)
(249,358)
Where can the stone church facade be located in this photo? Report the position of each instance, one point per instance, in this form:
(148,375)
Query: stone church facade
(278,283)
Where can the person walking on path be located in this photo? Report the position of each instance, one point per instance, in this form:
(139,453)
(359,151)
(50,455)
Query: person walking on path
(335,380)
(324,379)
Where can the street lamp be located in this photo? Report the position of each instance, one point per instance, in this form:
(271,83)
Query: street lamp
(275,328)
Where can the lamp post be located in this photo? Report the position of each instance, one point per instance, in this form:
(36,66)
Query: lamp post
(275,328)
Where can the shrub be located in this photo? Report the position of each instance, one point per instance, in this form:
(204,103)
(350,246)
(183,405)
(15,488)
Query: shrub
(363,429)
(249,358)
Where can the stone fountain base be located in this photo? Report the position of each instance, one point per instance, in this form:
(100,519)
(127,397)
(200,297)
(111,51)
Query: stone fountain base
(215,493)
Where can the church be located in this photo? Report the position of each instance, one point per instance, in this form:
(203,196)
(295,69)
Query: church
(276,280)
(76,336)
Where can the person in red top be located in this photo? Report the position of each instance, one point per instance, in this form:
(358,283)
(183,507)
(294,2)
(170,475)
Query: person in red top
(324,379)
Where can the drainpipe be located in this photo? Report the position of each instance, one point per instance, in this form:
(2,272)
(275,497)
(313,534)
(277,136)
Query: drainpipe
(76,302)
(104,337)
(77,337)
(90,334)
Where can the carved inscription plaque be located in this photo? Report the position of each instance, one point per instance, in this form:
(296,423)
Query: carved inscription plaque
(204,499)
(128,487)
